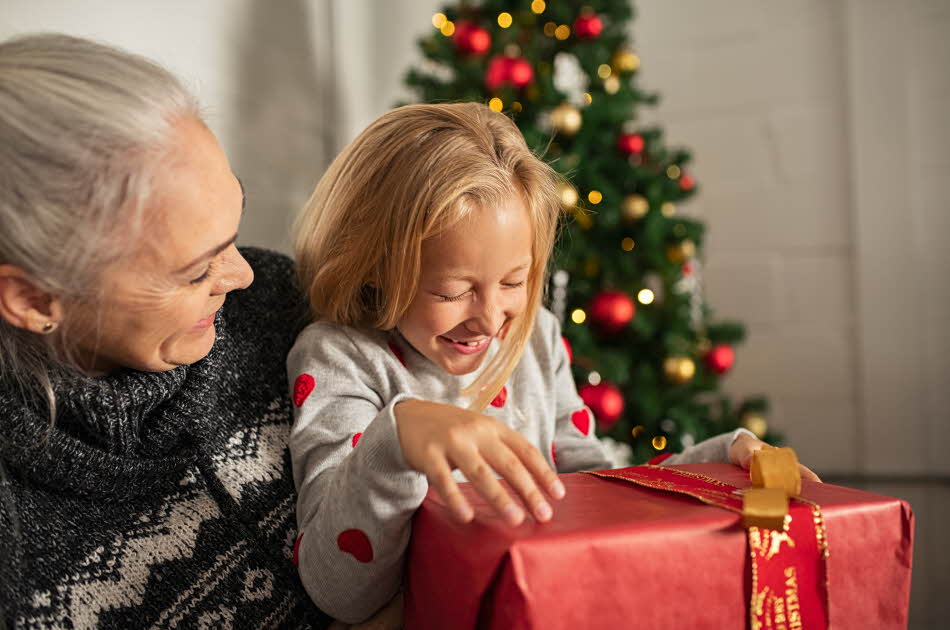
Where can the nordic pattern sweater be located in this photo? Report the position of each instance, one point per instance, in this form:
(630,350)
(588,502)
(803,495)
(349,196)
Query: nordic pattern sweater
(162,499)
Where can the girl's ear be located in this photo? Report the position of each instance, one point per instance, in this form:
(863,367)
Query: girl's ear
(25,304)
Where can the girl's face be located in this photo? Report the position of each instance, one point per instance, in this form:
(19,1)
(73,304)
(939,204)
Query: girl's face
(474,280)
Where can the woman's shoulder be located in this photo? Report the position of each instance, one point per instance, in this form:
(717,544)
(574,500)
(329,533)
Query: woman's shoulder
(273,301)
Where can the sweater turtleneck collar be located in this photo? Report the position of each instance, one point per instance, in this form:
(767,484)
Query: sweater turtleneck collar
(116,436)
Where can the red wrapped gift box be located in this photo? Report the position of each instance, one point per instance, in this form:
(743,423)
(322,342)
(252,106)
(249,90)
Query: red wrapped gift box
(617,555)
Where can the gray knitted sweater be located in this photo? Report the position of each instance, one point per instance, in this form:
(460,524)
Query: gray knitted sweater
(161,499)
(356,495)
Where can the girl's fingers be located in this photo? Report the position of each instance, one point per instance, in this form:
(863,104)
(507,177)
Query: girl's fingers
(480,474)
(808,474)
(507,464)
(532,459)
(440,476)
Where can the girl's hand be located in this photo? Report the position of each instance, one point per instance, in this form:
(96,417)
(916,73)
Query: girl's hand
(437,438)
(740,454)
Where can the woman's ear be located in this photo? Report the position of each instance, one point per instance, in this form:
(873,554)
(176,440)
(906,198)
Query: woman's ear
(26,305)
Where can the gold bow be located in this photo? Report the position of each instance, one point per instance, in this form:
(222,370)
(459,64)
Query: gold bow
(775,478)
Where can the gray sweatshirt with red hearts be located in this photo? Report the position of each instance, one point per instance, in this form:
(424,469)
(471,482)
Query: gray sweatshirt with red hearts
(357,495)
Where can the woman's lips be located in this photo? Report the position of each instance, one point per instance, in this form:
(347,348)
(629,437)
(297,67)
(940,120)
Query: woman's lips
(206,322)
(465,348)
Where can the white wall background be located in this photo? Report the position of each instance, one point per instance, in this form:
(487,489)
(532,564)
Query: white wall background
(819,134)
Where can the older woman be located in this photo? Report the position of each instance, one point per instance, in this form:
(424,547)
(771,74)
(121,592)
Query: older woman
(144,411)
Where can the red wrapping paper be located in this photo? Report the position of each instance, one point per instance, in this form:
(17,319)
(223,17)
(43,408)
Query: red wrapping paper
(617,555)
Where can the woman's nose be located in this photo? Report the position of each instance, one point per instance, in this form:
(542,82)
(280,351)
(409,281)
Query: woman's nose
(237,273)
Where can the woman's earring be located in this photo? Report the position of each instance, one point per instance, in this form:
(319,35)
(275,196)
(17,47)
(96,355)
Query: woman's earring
(49,327)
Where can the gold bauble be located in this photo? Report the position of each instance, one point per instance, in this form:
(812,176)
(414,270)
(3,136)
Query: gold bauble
(568,195)
(566,119)
(755,423)
(682,251)
(679,370)
(635,207)
(625,61)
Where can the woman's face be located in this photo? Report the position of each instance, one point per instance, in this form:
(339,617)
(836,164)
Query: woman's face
(158,305)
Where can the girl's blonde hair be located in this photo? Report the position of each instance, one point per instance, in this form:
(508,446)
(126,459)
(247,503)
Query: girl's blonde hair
(412,174)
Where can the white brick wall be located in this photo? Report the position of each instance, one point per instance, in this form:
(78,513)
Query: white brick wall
(757,93)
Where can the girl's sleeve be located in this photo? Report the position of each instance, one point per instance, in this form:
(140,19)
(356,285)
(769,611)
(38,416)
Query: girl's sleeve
(575,446)
(356,495)
(714,449)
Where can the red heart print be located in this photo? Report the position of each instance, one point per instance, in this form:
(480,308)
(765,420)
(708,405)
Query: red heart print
(356,438)
(356,543)
(396,350)
(297,550)
(302,388)
(499,400)
(567,346)
(581,420)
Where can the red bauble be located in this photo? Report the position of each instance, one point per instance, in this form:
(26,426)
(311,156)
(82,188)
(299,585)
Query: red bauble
(508,70)
(610,311)
(471,39)
(588,27)
(496,74)
(605,400)
(520,72)
(720,359)
(630,144)
(687,182)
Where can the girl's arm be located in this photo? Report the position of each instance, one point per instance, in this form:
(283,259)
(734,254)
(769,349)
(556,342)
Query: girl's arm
(575,445)
(356,495)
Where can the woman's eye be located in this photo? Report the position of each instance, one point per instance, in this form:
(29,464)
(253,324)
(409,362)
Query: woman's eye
(514,285)
(202,277)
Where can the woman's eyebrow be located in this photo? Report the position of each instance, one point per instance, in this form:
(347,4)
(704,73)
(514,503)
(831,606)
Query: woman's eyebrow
(223,246)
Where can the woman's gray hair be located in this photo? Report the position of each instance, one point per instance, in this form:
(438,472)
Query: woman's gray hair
(82,128)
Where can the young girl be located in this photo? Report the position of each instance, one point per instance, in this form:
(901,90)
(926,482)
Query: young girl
(423,253)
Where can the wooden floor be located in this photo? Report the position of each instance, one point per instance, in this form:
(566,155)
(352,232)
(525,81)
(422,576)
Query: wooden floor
(930,583)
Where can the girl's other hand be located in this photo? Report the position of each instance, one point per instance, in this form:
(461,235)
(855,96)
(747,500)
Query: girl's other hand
(740,454)
(437,438)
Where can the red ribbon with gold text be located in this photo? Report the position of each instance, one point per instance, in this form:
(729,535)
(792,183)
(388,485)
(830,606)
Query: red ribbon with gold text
(789,567)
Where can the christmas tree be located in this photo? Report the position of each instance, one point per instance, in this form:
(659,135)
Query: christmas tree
(647,356)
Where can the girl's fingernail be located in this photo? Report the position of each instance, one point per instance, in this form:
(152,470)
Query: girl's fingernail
(543,511)
(513,514)
(465,513)
(557,489)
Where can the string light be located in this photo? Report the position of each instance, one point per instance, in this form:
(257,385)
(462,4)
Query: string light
(659,442)
(578,316)
(516,106)
(504,19)
(588,98)
(438,20)
(595,197)
(550,28)
(611,85)
(603,71)
(448,28)
(627,244)
(562,32)
(496,104)
(673,171)
(638,430)
(668,209)
(645,296)
(538,6)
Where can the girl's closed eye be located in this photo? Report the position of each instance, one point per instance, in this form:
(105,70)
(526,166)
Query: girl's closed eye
(452,298)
